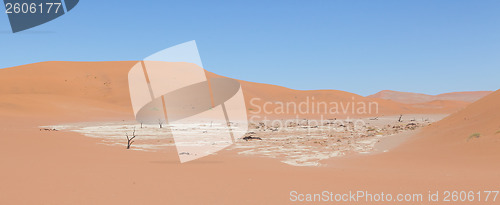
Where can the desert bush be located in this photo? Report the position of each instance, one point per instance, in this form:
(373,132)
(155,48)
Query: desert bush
(474,135)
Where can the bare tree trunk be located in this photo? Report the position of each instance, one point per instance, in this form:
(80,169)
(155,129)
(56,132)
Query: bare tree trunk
(130,140)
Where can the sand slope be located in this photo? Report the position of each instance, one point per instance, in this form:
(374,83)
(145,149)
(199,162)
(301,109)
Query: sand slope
(66,90)
(274,93)
(42,167)
(92,90)
(411,98)
(456,130)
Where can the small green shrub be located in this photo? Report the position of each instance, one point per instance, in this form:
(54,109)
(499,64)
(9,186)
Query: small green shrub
(474,135)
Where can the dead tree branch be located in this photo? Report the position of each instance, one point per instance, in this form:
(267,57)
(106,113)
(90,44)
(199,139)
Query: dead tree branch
(160,122)
(130,140)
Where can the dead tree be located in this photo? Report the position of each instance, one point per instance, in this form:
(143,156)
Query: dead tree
(160,122)
(130,140)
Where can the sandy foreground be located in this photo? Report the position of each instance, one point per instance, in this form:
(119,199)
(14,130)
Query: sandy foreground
(67,168)
(64,167)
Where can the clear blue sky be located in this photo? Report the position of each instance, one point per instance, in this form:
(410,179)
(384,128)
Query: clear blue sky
(356,46)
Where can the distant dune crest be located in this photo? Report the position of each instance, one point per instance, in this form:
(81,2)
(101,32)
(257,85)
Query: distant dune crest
(92,90)
(412,98)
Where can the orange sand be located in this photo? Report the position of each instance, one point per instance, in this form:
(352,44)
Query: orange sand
(41,167)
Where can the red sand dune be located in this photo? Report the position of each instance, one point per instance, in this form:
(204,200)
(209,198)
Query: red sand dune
(79,91)
(274,93)
(411,98)
(66,168)
(457,130)
(100,89)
